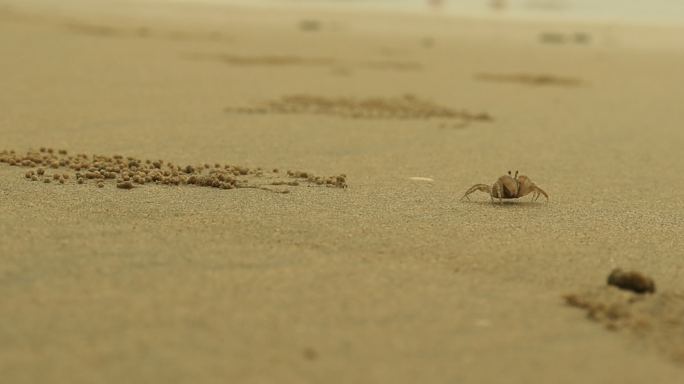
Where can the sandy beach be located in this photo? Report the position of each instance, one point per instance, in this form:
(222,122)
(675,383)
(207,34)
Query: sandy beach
(381,276)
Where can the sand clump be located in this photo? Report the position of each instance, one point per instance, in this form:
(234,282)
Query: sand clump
(633,280)
(130,172)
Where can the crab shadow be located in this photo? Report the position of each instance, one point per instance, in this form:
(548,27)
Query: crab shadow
(507,203)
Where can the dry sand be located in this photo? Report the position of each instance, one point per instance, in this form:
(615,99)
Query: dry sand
(391,280)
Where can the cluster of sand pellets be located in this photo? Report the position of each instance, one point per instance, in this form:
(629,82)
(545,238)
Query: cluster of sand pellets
(291,60)
(629,303)
(402,107)
(142,32)
(48,166)
(529,79)
(654,320)
(562,38)
(100,30)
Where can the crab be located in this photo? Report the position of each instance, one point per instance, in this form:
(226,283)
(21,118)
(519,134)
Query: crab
(509,187)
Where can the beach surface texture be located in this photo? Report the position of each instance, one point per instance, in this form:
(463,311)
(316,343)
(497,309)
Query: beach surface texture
(231,194)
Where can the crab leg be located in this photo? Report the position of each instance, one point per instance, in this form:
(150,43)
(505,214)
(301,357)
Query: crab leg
(477,187)
(540,192)
(499,192)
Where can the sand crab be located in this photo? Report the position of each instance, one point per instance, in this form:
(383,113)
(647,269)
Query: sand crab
(509,187)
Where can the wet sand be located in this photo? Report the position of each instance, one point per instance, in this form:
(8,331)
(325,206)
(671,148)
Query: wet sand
(390,280)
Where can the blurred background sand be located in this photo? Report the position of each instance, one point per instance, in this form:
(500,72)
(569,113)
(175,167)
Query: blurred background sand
(620,11)
(390,280)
